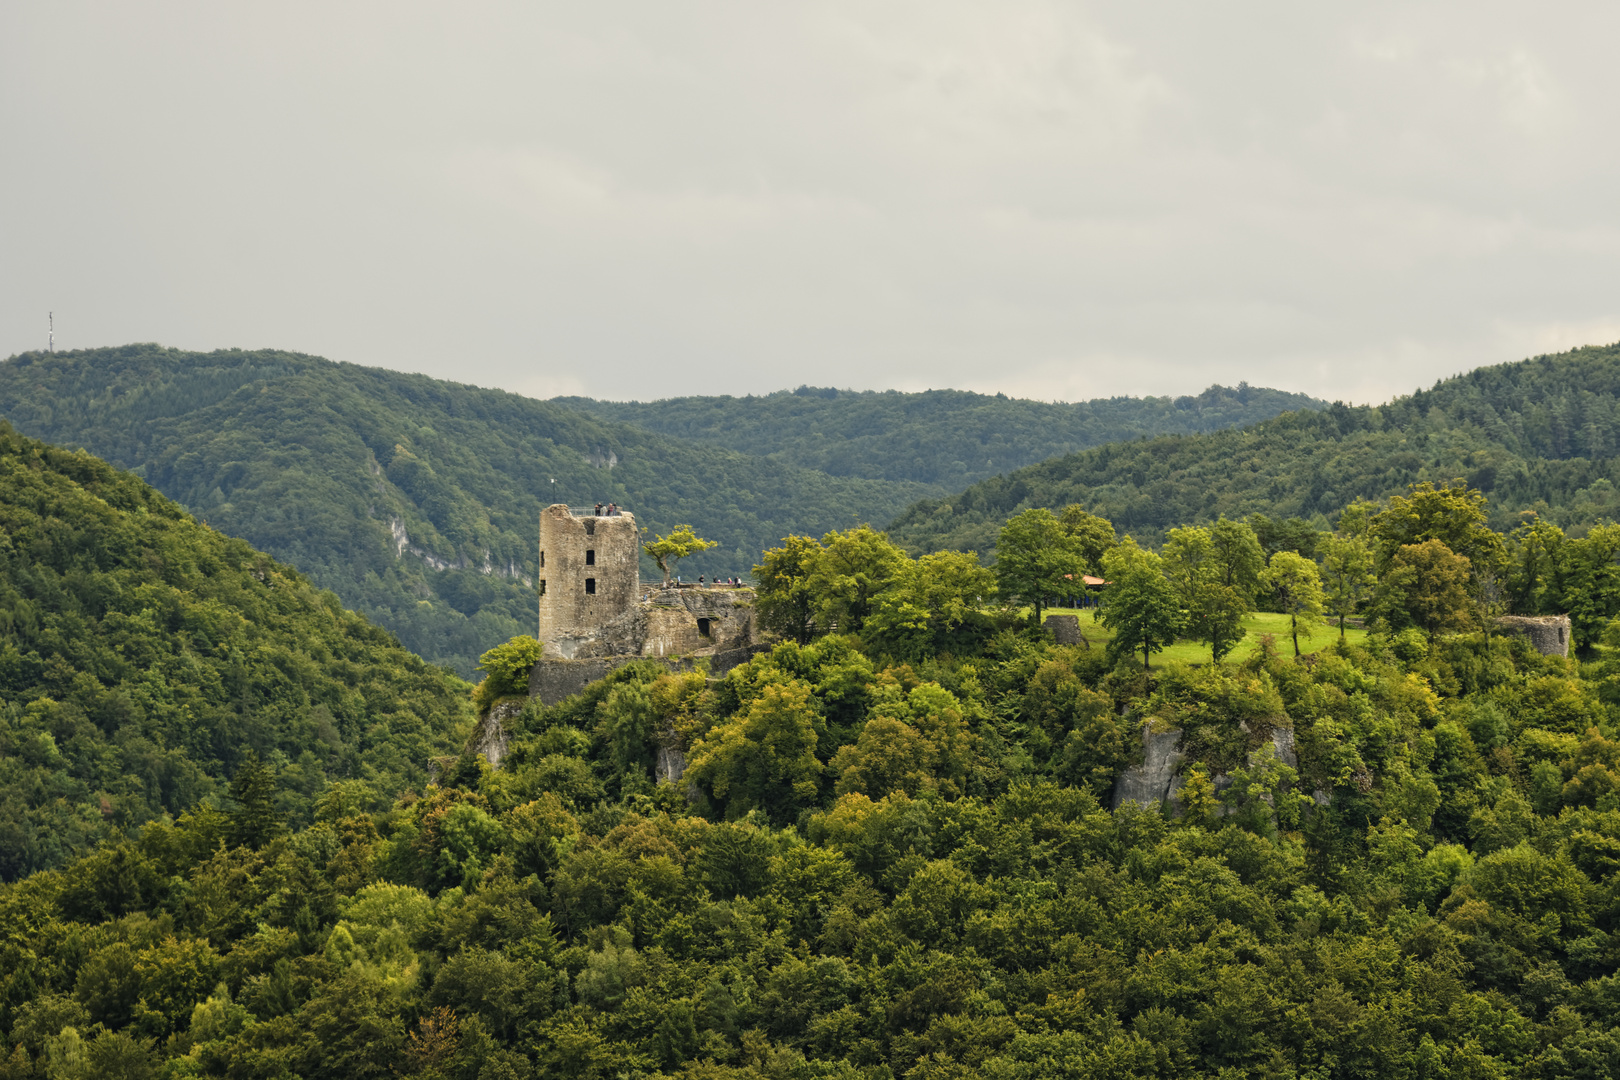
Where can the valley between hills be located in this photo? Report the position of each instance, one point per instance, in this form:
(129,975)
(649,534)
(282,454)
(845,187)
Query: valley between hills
(1315,772)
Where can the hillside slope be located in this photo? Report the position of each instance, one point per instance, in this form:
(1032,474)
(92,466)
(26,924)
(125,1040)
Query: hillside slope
(142,655)
(1539,435)
(415,500)
(944,437)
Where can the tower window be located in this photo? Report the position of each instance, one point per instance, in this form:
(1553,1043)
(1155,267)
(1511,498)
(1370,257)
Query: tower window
(590,556)
(542,560)
(590,527)
(542,586)
(590,586)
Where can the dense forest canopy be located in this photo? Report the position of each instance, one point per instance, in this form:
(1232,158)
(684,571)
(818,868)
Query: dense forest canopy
(946,438)
(1539,435)
(898,848)
(145,657)
(415,500)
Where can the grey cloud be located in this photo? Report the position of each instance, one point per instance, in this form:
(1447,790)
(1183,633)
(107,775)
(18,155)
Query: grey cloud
(636,199)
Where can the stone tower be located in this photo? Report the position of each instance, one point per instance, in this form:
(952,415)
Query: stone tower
(590,575)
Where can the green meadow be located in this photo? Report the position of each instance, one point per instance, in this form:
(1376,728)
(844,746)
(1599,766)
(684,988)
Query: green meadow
(1257,625)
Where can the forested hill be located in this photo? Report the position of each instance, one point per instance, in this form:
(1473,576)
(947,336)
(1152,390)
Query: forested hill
(415,500)
(144,657)
(1540,434)
(944,437)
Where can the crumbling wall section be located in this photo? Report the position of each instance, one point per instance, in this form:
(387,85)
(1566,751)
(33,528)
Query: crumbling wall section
(1065,630)
(1548,634)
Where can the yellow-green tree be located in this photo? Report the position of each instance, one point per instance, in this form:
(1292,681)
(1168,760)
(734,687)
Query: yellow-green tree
(1296,586)
(764,758)
(855,567)
(1347,571)
(928,599)
(665,551)
(1426,585)
(783,590)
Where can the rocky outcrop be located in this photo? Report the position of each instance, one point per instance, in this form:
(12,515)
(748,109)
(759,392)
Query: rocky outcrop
(671,763)
(1549,634)
(491,737)
(1154,780)
(1065,630)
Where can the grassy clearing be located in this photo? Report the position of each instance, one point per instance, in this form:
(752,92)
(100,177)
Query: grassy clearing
(1257,624)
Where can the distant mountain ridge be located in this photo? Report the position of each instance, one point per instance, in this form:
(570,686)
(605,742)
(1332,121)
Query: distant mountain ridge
(144,657)
(414,499)
(1537,435)
(947,438)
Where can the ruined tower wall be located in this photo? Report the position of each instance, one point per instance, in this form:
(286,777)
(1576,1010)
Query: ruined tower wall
(1548,633)
(590,574)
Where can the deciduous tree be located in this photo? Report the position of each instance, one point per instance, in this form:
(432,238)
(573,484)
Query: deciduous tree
(1036,559)
(681,542)
(1297,587)
(1347,571)
(782,588)
(1139,605)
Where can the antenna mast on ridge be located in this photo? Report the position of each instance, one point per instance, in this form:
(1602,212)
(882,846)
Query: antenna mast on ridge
(51,341)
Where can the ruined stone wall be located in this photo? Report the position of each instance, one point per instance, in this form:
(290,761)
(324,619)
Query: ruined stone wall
(590,576)
(1548,633)
(1065,630)
(683,622)
(553,681)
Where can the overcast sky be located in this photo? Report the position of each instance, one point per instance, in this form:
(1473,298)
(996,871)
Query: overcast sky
(1054,200)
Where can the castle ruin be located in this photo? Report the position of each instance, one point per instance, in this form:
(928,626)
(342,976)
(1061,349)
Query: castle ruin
(595,615)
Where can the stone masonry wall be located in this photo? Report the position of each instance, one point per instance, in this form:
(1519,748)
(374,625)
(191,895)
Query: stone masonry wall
(1548,633)
(590,576)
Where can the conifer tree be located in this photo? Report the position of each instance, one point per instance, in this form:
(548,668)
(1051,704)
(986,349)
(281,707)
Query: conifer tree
(254,818)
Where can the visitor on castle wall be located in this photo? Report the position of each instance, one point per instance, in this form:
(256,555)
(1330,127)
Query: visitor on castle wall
(598,509)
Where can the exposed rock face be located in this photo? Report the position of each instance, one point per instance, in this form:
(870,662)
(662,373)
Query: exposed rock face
(671,763)
(1155,779)
(1282,741)
(1065,630)
(1548,633)
(491,737)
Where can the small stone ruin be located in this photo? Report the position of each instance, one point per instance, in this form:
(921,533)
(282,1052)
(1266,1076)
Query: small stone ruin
(1549,634)
(1065,630)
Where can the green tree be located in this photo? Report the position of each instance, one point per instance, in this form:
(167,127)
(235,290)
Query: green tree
(1453,514)
(678,544)
(1591,582)
(783,590)
(1295,534)
(1426,585)
(764,757)
(1347,571)
(1036,559)
(1092,536)
(855,567)
(1535,576)
(929,598)
(1297,587)
(1238,556)
(1214,609)
(254,817)
(506,671)
(1139,605)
